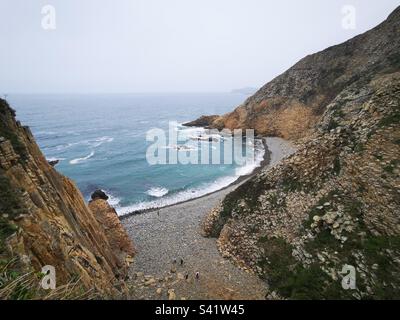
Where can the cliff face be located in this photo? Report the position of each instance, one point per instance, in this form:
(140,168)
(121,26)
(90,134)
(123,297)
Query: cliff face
(336,201)
(45,221)
(118,239)
(290,105)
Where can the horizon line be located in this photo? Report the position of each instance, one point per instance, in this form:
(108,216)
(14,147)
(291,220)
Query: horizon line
(233,91)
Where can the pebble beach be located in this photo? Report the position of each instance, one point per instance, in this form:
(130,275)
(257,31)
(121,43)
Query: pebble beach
(172,250)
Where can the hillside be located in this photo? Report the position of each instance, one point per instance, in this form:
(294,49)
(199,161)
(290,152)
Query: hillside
(290,105)
(45,221)
(336,201)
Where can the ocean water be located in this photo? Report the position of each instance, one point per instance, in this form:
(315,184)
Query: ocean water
(100,141)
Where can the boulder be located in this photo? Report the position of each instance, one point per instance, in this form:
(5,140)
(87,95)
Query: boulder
(53,162)
(171,294)
(203,121)
(99,194)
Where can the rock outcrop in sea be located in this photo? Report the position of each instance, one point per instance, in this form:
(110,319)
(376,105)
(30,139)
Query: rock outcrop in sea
(44,220)
(335,203)
(293,103)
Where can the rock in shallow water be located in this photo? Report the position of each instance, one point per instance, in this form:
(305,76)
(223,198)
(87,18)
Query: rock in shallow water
(53,162)
(99,194)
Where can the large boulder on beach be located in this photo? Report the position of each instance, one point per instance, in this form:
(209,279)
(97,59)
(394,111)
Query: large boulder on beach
(99,194)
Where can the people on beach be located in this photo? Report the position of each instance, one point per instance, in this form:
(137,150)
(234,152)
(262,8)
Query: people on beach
(181,262)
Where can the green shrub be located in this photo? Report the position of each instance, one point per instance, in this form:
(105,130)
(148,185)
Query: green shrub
(6,229)
(291,184)
(290,279)
(337,166)
(359,148)
(333,124)
(390,119)
(10,203)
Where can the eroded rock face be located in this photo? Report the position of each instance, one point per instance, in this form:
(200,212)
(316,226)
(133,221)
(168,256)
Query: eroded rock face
(290,105)
(336,200)
(203,121)
(46,218)
(120,243)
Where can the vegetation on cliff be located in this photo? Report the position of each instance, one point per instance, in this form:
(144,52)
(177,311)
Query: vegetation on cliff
(45,221)
(336,201)
(292,104)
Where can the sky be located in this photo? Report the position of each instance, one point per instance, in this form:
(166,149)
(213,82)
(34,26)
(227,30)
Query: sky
(128,46)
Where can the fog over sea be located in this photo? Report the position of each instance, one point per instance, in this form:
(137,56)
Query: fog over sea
(100,141)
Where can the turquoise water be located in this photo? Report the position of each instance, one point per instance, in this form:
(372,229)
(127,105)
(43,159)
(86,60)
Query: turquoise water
(100,141)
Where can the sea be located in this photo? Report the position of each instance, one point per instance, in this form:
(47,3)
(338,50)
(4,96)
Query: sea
(101,142)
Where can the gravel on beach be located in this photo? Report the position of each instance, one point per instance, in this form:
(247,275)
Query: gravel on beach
(165,236)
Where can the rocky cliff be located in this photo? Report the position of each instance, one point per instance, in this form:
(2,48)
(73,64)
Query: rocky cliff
(336,201)
(45,221)
(290,105)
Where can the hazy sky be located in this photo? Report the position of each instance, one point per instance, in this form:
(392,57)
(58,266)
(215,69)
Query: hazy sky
(167,45)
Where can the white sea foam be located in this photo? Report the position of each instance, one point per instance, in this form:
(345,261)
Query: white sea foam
(193,193)
(187,132)
(94,143)
(62,147)
(99,141)
(79,160)
(180,196)
(45,133)
(258,158)
(54,159)
(184,148)
(190,130)
(113,200)
(157,192)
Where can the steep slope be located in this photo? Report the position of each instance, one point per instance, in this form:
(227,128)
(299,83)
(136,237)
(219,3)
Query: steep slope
(45,221)
(290,105)
(336,201)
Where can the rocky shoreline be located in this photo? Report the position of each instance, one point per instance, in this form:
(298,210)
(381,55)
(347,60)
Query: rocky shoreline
(174,233)
(240,180)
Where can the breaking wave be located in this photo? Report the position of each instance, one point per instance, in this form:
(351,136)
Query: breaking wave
(94,143)
(165,198)
(157,192)
(79,160)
